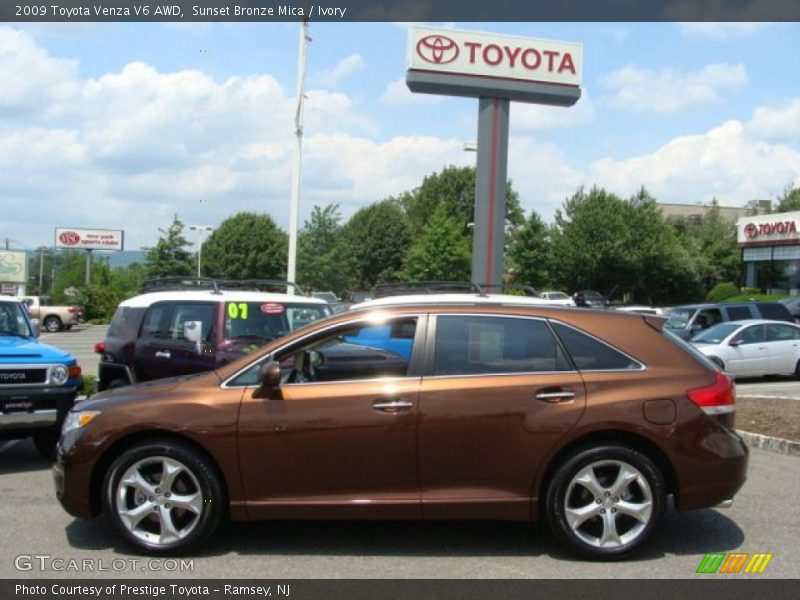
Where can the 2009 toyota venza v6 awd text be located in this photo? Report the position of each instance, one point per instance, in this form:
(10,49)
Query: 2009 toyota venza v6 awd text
(418,410)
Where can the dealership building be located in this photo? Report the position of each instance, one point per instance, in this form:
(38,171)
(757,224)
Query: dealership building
(771,251)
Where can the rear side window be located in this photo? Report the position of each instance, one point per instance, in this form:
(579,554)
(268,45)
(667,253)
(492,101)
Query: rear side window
(774,310)
(739,313)
(781,333)
(125,323)
(467,345)
(590,354)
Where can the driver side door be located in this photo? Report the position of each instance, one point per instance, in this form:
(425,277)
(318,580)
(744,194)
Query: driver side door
(339,440)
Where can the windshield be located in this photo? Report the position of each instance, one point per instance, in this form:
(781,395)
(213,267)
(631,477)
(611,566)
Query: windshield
(715,334)
(269,320)
(12,320)
(679,318)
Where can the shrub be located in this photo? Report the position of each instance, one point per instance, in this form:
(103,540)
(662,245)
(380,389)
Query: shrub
(722,291)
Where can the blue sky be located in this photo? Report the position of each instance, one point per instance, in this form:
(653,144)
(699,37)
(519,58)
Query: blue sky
(119,126)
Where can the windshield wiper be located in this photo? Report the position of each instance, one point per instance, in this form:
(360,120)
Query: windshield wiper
(14,334)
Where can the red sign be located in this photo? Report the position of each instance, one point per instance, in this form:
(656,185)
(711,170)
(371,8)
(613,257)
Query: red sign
(437,49)
(272,308)
(751,230)
(69,238)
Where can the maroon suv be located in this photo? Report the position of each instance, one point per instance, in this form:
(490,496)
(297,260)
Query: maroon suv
(464,410)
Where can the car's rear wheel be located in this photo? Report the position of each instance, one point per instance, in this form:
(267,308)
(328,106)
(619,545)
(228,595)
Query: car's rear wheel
(604,502)
(797,370)
(52,324)
(164,497)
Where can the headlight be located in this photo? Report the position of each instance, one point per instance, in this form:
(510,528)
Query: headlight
(59,374)
(74,426)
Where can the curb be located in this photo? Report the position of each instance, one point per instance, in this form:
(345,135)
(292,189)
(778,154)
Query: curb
(770,443)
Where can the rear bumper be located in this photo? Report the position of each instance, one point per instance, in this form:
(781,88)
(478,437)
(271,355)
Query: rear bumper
(720,471)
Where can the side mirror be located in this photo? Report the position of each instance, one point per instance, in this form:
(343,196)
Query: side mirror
(193,332)
(735,343)
(270,382)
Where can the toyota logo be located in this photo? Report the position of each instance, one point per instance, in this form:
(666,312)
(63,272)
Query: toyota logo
(69,238)
(437,49)
(750,230)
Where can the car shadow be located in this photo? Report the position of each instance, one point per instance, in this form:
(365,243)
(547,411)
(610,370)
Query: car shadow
(20,456)
(695,532)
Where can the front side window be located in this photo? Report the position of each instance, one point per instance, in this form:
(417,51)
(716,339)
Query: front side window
(265,321)
(751,335)
(184,313)
(349,353)
(468,345)
(590,354)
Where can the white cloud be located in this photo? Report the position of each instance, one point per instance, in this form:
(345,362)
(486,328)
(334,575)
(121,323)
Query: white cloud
(718,30)
(542,117)
(668,91)
(779,123)
(346,66)
(723,163)
(398,94)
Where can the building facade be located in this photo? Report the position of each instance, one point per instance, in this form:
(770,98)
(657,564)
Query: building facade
(771,251)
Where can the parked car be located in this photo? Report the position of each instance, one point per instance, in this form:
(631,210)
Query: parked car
(559,297)
(329,297)
(178,328)
(52,318)
(38,383)
(687,321)
(793,304)
(450,409)
(590,299)
(641,309)
(752,348)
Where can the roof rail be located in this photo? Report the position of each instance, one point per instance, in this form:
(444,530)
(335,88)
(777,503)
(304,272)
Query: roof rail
(189,283)
(405,288)
(502,287)
(179,282)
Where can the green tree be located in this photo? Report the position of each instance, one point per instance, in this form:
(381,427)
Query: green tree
(789,201)
(374,243)
(169,256)
(246,246)
(529,252)
(441,252)
(319,254)
(455,188)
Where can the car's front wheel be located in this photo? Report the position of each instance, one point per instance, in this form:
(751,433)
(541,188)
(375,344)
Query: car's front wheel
(164,497)
(605,501)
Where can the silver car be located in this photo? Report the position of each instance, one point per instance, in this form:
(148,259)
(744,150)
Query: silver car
(752,348)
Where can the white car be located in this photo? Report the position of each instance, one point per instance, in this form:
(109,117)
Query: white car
(560,298)
(752,348)
(642,309)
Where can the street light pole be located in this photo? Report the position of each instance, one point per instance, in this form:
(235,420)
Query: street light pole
(200,229)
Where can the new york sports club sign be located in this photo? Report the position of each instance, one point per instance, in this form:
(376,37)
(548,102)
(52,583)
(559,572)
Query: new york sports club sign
(499,57)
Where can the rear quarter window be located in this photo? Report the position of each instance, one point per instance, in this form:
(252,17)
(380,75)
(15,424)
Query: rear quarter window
(591,354)
(774,310)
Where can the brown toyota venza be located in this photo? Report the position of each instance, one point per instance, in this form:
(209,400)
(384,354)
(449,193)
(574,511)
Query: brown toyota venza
(585,419)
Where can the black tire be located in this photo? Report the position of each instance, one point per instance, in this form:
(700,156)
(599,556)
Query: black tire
(797,370)
(52,324)
(586,536)
(46,444)
(206,478)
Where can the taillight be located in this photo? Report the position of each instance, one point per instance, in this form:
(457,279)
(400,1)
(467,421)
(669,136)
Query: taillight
(715,399)
(99,347)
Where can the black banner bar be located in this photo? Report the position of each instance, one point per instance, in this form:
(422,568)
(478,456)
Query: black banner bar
(399,10)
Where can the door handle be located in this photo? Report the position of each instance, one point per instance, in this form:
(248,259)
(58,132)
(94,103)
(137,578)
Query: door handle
(163,354)
(391,405)
(555,397)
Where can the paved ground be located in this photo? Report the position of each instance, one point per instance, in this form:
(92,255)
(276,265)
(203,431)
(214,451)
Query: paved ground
(763,519)
(79,341)
(786,387)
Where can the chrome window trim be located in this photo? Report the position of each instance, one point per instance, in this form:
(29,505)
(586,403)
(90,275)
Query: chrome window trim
(546,321)
(641,367)
(366,317)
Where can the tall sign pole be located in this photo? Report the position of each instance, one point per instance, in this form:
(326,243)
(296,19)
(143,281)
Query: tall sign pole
(496,69)
(294,204)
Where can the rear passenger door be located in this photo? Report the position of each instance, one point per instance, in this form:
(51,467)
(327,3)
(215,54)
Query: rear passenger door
(783,341)
(498,393)
(163,351)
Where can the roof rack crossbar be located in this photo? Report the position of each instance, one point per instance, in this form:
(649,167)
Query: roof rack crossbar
(185,283)
(404,288)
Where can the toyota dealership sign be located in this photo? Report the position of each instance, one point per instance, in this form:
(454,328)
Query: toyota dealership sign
(89,239)
(769,230)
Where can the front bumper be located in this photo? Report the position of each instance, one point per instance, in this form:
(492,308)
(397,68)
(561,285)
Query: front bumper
(28,409)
